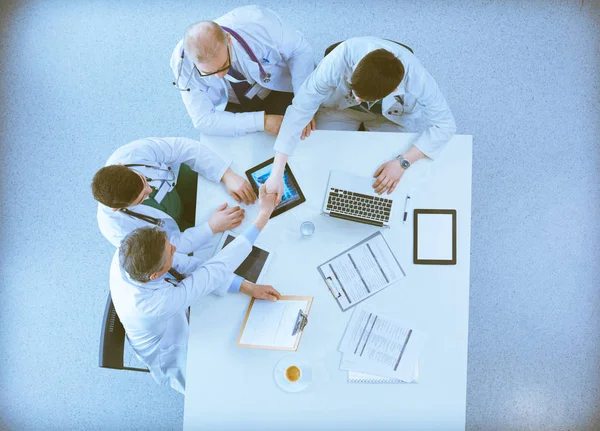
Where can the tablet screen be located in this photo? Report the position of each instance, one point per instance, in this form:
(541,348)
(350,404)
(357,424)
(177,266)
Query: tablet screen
(292,195)
(251,267)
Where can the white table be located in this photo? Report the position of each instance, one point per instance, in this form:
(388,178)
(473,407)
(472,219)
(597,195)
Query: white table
(233,388)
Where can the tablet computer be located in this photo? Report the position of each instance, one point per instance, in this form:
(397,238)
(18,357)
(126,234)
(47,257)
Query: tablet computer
(254,266)
(434,237)
(292,195)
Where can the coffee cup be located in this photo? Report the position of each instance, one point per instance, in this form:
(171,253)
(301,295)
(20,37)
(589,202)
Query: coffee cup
(292,373)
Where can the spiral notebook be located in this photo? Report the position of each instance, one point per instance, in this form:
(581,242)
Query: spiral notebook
(356,377)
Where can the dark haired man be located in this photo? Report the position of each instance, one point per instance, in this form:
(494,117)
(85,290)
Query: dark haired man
(379,84)
(153,182)
(152,287)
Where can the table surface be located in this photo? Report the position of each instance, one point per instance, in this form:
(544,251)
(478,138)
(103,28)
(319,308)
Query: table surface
(229,387)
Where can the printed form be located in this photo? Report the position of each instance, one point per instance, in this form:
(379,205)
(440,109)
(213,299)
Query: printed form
(361,271)
(271,324)
(377,345)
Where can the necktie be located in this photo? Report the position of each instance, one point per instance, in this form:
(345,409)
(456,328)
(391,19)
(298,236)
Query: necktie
(239,88)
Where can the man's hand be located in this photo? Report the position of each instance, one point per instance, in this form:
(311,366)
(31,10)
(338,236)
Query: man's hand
(266,201)
(273,123)
(274,185)
(225,218)
(260,291)
(238,187)
(310,127)
(388,176)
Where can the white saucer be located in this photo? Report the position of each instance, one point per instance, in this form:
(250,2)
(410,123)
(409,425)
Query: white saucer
(306,377)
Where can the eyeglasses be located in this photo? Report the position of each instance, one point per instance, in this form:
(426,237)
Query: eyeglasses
(202,74)
(228,65)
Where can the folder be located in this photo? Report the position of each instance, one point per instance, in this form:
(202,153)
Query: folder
(275,325)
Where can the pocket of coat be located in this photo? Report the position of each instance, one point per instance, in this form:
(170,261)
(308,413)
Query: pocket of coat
(410,103)
(271,56)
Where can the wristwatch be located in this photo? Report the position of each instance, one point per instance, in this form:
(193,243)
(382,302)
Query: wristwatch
(403,162)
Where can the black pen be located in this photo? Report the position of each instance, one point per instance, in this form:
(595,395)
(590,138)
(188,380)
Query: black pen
(405,205)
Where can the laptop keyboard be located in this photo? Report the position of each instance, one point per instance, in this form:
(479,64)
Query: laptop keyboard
(359,205)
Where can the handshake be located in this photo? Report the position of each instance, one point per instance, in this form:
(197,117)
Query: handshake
(225,218)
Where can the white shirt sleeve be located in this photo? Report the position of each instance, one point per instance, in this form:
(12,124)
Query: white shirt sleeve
(319,85)
(210,121)
(213,276)
(294,49)
(172,151)
(435,108)
(193,238)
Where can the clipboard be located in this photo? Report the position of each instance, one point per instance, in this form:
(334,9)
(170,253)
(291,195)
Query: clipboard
(346,299)
(448,251)
(297,324)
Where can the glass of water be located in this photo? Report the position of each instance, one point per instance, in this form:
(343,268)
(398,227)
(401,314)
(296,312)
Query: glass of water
(307,228)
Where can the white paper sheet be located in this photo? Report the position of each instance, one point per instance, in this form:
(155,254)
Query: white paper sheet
(360,377)
(378,345)
(361,271)
(272,323)
(434,237)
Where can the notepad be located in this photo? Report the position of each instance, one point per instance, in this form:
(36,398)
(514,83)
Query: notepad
(434,237)
(274,325)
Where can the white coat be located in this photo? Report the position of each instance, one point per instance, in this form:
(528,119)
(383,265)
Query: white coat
(154,314)
(163,152)
(425,108)
(282,51)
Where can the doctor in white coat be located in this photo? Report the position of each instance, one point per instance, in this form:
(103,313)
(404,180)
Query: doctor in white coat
(380,84)
(152,182)
(152,287)
(238,74)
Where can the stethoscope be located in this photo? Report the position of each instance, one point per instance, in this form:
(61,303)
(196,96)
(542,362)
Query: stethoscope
(264,76)
(350,98)
(149,219)
(162,180)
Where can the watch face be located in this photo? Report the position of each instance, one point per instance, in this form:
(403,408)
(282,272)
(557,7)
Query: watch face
(405,163)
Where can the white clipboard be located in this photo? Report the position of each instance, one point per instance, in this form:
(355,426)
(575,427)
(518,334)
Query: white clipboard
(361,271)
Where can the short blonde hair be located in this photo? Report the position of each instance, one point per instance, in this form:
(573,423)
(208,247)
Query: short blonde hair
(203,40)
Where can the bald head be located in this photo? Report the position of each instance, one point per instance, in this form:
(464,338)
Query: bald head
(204,40)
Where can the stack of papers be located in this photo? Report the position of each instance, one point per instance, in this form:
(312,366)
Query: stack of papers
(381,348)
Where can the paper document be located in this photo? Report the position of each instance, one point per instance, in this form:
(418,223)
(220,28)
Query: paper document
(361,271)
(381,346)
(271,324)
(358,377)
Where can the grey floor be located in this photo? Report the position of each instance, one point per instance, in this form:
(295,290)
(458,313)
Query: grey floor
(79,78)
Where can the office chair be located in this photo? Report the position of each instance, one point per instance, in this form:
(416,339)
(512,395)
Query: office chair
(112,340)
(332,47)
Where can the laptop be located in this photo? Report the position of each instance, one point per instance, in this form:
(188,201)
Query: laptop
(352,197)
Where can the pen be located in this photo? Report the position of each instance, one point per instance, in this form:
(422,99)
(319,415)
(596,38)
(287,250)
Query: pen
(405,205)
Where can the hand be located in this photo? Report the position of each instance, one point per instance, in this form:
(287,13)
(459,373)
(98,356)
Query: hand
(273,123)
(274,185)
(238,187)
(388,176)
(260,291)
(310,126)
(225,218)
(266,201)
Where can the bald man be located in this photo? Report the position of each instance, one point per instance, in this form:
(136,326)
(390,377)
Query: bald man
(238,74)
